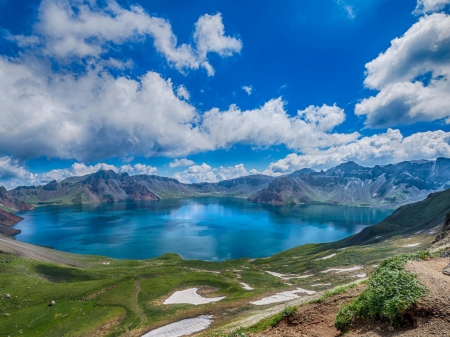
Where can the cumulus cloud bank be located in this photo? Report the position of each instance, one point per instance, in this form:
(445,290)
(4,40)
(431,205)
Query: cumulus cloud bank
(271,125)
(428,6)
(70,29)
(384,148)
(106,116)
(181,162)
(13,174)
(205,173)
(412,76)
(96,113)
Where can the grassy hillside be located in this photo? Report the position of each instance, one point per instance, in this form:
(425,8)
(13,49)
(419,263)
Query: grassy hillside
(103,296)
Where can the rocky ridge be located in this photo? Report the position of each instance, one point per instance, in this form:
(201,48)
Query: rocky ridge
(346,184)
(7,200)
(109,186)
(351,184)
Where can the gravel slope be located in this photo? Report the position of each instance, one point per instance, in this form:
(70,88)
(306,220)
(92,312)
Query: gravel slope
(33,252)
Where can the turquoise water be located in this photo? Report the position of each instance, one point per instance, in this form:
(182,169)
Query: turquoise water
(200,228)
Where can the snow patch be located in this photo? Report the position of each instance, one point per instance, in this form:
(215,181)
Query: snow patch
(412,245)
(284,296)
(190,296)
(284,277)
(338,271)
(363,275)
(246,286)
(183,327)
(275,274)
(327,257)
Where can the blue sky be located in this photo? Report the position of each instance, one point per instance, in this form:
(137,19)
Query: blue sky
(210,90)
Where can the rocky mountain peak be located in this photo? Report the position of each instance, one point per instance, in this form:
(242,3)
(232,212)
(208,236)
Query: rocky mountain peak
(52,186)
(105,174)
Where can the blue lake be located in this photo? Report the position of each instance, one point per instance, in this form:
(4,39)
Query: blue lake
(200,228)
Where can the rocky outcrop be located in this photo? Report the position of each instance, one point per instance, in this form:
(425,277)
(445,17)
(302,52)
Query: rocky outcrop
(445,229)
(7,200)
(52,186)
(138,192)
(446,270)
(284,191)
(6,221)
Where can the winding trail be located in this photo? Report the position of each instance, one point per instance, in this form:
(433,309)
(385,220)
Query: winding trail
(138,309)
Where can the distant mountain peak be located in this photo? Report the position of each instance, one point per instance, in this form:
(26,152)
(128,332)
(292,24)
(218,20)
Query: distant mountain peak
(349,164)
(301,172)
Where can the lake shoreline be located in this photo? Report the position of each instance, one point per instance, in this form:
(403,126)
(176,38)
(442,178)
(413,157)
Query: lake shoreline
(208,228)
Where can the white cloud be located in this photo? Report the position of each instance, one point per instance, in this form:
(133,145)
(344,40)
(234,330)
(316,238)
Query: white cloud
(95,115)
(429,6)
(13,174)
(181,162)
(210,37)
(106,116)
(102,116)
(183,93)
(248,89)
(81,169)
(384,148)
(137,169)
(350,11)
(70,29)
(412,76)
(271,125)
(205,173)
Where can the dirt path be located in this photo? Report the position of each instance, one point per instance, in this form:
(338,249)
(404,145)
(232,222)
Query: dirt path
(138,309)
(35,252)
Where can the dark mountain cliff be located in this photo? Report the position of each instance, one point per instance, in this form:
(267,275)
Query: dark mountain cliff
(351,184)
(6,221)
(7,200)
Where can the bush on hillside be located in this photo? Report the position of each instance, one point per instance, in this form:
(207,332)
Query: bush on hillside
(390,292)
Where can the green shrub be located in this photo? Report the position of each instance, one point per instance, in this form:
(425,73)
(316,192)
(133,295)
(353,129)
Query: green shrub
(390,292)
(345,317)
(335,291)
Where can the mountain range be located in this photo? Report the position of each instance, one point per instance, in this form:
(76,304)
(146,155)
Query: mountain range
(346,184)
(351,184)
(109,186)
